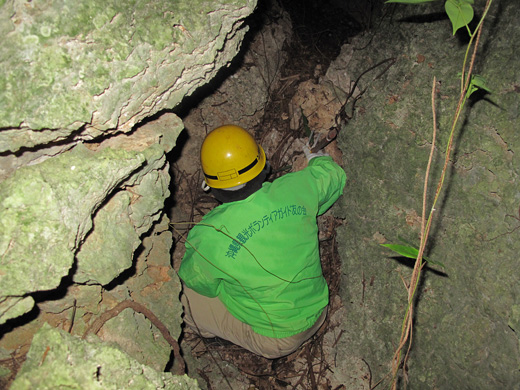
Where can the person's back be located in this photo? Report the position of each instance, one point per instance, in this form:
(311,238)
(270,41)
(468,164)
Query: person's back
(258,258)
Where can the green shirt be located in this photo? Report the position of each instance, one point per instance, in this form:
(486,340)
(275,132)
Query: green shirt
(260,255)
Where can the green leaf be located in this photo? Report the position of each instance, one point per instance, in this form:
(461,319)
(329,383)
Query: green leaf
(477,82)
(403,250)
(438,263)
(408,1)
(460,13)
(410,252)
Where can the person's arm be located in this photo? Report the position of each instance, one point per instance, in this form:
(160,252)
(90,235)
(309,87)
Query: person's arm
(330,180)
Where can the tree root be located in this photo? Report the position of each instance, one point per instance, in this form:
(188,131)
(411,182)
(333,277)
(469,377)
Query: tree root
(180,367)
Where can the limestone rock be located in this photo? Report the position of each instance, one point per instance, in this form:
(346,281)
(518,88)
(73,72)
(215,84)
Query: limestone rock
(109,248)
(462,336)
(83,163)
(156,286)
(59,360)
(76,70)
(135,335)
(46,213)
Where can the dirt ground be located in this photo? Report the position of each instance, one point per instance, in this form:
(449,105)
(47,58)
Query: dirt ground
(319,34)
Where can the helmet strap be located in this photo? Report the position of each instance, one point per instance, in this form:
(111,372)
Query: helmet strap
(226,196)
(204,186)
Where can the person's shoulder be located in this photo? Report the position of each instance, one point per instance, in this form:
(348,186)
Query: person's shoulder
(321,160)
(217,210)
(207,218)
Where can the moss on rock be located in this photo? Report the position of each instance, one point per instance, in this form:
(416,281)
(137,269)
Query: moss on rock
(104,64)
(461,337)
(59,360)
(46,213)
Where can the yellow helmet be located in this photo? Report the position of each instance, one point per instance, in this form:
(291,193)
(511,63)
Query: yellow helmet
(230,156)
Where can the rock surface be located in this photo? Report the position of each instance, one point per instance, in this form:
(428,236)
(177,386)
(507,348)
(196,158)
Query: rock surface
(83,160)
(59,360)
(79,70)
(466,329)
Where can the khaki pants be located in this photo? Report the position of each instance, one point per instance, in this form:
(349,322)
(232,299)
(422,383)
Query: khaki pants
(210,318)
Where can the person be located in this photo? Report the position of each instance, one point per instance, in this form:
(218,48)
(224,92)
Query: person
(251,272)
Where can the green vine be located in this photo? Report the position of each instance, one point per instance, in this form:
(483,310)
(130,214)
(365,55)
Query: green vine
(460,13)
